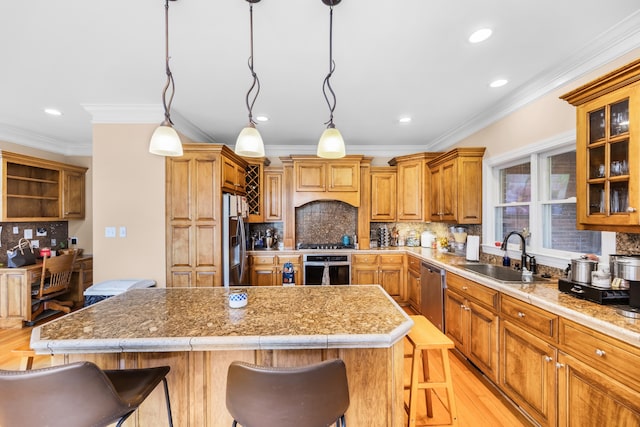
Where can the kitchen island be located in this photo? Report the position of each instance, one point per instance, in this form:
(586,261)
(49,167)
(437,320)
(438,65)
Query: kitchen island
(194,331)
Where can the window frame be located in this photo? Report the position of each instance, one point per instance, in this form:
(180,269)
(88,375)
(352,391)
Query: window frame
(533,153)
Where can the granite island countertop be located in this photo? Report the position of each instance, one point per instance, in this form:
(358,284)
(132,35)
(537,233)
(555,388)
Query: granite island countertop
(200,319)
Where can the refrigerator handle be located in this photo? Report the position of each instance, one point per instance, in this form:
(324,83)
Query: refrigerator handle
(243,248)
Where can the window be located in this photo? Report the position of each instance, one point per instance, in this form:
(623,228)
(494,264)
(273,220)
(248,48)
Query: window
(535,191)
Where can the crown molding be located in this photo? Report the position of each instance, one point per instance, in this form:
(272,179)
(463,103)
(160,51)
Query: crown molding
(35,140)
(610,45)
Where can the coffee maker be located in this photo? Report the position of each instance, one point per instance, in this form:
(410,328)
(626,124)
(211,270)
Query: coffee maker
(629,268)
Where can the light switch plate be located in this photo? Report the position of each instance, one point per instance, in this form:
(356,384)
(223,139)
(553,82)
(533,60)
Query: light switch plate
(110,232)
(123,231)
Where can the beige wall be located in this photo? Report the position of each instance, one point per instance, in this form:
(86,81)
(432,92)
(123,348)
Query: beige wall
(128,189)
(80,229)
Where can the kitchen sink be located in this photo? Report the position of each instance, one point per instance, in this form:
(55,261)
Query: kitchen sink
(499,273)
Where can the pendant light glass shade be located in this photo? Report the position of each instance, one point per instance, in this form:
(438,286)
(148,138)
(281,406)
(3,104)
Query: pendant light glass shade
(331,144)
(249,143)
(165,142)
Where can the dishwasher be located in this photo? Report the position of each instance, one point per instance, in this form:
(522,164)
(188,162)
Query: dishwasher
(432,285)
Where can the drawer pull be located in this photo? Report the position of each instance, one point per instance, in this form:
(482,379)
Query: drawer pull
(600,353)
(548,358)
(521,314)
(465,288)
(577,290)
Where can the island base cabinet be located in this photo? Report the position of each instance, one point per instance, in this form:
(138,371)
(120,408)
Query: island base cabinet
(528,372)
(587,398)
(197,382)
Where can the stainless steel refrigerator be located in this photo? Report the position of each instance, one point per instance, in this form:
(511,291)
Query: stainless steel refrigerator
(234,246)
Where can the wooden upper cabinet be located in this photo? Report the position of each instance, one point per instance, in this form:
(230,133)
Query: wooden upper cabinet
(233,175)
(412,185)
(607,151)
(321,179)
(36,189)
(383,194)
(254,186)
(455,193)
(273,196)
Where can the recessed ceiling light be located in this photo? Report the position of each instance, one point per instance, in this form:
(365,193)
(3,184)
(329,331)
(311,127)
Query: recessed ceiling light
(405,119)
(53,112)
(480,35)
(498,83)
(262,118)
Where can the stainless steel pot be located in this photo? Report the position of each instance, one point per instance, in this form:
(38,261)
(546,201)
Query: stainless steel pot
(629,267)
(581,269)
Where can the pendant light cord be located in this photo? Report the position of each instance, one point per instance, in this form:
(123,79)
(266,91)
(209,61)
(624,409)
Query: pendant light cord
(256,81)
(169,84)
(326,85)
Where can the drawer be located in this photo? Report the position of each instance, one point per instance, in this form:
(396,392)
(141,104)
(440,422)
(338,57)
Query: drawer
(293,259)
(413,263)
(530,317)
(263,260)
(602,352)
(394,259)
(473,290)
(364,259)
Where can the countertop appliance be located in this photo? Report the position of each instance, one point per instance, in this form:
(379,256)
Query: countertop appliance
(234,244)
(432,286)
(327,269)
(593,293)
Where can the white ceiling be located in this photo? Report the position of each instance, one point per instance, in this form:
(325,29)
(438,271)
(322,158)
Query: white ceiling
(393,58)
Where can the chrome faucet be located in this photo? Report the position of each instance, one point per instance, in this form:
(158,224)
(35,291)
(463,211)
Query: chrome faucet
(523,259)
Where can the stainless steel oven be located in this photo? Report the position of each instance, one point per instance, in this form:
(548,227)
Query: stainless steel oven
(327,269)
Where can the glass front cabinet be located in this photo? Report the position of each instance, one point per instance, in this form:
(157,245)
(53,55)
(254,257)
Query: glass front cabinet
(607,151)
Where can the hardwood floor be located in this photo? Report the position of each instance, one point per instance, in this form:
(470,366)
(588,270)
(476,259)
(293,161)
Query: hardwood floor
(479,403)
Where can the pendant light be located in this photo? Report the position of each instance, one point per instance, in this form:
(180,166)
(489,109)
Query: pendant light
(165,140)
(249,142)
(331,144)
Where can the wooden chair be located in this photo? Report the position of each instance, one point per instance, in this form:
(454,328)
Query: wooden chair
(55,281)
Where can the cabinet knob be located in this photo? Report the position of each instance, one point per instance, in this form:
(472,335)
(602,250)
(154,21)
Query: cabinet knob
(521,314)
(548,358)
(559,365)
(631,210)
(465,288)
(600,353)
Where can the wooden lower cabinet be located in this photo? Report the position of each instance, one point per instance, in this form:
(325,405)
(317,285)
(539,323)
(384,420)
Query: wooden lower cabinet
(386,270)
(471,321)
(413,282)
(266,270)
(588,398)
(528,372)
(81,279)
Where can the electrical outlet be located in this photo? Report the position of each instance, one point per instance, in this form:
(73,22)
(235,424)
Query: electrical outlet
(74,240)
(54,242)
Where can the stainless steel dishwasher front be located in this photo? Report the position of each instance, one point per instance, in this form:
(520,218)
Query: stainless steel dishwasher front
(432,285)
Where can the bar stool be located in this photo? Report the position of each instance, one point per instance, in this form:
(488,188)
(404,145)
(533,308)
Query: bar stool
(422,337)
(311,396)
(26,357)
(76,395)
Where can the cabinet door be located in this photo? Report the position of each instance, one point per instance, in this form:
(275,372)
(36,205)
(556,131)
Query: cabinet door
(233,176)
(272,196)
(482,341)
(435,193)
(607,150)
(344,176)
(528,372)
(448,191)
(468,202)
(310,176)
(365,275)
(456,319)
(587,398)
(263,276)
(391,279)
(410,185)
(383,196)
(413,289)
(73,194)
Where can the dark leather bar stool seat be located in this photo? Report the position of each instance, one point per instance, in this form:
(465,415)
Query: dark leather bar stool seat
(76,395)
(311,396)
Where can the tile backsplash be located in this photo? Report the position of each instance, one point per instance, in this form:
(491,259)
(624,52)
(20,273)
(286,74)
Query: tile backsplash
(325,222)
(42,233)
